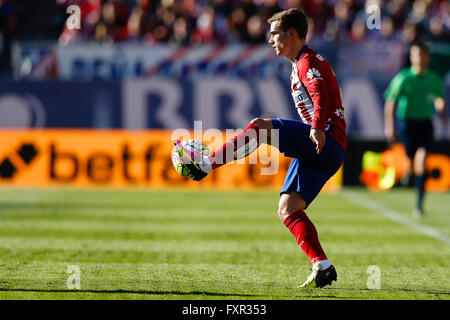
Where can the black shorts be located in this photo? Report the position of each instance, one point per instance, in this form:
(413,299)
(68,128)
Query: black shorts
(414,134)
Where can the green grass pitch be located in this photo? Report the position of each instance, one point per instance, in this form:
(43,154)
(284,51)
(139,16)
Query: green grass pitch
(137,244)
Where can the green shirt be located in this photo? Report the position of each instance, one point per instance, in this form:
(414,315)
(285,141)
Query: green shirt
(415,94)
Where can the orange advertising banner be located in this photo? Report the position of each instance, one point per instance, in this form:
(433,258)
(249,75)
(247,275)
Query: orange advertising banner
(122,158)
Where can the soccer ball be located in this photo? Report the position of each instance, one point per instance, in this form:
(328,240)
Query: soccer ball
(180,160)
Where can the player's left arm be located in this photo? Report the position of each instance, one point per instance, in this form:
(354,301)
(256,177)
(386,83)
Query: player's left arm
(439,101)
(312,74)
(441,108)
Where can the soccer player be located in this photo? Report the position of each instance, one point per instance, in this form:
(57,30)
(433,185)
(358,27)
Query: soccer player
(316,143)
(418,92)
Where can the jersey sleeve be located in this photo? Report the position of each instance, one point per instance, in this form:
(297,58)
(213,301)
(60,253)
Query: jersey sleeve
(311,74)
(395,87)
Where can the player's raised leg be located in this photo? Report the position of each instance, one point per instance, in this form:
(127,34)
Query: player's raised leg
(240,146)
(243,144)
(291,212)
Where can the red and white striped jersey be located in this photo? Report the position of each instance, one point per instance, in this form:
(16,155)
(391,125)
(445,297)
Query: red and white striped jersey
(316,94)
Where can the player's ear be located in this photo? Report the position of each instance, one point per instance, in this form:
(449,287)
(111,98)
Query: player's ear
(291,33)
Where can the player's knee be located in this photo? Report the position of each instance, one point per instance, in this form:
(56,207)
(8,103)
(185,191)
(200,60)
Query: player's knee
(289,204)
(419,161)
(262,123)
(283,213)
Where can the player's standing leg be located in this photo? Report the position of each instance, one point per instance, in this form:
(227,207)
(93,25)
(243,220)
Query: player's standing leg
(419,179)
(291,213)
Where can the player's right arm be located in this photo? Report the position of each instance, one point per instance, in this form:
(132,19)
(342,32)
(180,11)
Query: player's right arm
(439,101)
(389,110)
(311,74)
(391,95)
(441,108)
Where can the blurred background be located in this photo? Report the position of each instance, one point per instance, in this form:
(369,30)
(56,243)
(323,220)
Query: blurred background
(160,65)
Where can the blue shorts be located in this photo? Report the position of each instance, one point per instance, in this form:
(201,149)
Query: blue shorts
(308,171)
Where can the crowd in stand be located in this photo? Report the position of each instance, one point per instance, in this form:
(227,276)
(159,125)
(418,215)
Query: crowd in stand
(220,21)
(197,22)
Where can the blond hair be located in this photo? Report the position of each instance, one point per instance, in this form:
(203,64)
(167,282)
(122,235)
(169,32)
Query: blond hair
(292,18)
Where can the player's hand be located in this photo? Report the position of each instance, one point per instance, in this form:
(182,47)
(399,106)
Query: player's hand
(318,137)
(390,136)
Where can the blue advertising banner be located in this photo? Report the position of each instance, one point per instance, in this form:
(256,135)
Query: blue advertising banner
(167,103)
(60,104)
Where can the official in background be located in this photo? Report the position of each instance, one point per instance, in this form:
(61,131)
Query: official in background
(417,92)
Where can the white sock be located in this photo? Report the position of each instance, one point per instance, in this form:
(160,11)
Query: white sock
(324,264)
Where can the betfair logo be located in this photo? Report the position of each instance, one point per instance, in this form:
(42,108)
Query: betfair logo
(59,164)
(19,159)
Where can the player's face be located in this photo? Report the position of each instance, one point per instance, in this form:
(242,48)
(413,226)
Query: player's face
(279,39)
(419,57)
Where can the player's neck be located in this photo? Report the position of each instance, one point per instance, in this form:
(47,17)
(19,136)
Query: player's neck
(295,49)
(417,69)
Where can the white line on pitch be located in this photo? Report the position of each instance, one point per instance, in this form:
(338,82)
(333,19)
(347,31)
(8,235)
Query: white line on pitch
(377,207)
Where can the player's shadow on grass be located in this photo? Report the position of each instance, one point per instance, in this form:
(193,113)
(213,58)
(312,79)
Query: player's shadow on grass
(428,291)
(65,205)
(148,292)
